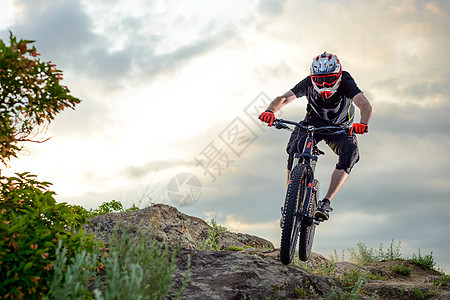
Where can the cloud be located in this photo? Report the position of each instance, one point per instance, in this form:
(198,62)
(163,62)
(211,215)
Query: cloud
(90,118)
(396,50)
(271,7)
(124,51)
(61,29)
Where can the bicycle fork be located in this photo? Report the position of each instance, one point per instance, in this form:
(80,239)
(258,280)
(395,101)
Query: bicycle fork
(302,213)
(306,219)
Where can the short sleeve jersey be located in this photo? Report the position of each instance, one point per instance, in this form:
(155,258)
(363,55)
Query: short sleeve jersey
(337,110)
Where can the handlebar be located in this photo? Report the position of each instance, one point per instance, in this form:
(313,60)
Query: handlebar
(281,124)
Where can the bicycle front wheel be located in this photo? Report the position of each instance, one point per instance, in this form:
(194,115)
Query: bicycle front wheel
(308,229)
(291,213)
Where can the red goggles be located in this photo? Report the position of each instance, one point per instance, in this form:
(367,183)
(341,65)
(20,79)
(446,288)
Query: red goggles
(325,80)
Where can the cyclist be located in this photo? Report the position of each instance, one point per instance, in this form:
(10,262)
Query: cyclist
(330,92)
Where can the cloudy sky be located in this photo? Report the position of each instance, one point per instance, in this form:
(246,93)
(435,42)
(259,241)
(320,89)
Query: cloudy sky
(171,90)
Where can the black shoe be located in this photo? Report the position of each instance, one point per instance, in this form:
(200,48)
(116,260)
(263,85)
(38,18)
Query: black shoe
(322,212)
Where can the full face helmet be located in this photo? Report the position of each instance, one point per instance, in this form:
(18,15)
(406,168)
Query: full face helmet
(326,74)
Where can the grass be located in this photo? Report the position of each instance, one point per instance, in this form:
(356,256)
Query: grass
(354,280)
(443,281)
(425,262)
(416,293)
(364,255)
(136,266)
(401,269)
(71,279)
(210,243)
(353,283)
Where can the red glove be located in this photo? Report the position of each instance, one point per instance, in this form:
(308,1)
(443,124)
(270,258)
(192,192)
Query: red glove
(268,116)
(358,128)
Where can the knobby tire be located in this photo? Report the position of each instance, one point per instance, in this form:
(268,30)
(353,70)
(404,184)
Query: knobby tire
(291,219)
(307,230)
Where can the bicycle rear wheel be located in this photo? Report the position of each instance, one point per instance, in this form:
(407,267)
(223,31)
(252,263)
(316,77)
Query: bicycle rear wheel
(291,220)
(308,227)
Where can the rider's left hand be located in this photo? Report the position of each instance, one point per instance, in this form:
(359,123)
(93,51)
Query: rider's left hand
(358,128)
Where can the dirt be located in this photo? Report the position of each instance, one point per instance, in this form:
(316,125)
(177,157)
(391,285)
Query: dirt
(419,284)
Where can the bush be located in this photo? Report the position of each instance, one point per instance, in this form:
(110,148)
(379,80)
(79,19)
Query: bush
(109,207)
(442,281)
(401,269)
(424,262)
(365,255)
(353,281)
(210,243)
(138,267)
(393,252)
(31,226)
(135,266)
(72,277)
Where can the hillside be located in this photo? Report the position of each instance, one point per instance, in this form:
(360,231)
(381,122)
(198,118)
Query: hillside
(225,265)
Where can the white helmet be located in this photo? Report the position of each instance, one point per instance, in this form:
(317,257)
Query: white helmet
(326,74)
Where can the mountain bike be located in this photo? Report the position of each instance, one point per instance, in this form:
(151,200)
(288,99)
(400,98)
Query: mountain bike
(298,221)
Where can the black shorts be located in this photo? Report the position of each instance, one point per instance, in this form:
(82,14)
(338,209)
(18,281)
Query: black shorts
(345,146)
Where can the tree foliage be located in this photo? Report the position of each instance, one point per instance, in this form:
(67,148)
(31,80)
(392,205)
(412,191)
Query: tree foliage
(30,96)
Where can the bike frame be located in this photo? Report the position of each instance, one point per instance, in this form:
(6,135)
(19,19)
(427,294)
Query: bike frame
(302,193)
(308,157)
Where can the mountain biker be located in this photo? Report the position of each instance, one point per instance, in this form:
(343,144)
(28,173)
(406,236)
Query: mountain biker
(330,92)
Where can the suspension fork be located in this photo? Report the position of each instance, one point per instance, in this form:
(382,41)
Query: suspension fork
(309,159)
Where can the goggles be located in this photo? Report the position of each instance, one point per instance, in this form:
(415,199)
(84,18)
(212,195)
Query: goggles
(325,80)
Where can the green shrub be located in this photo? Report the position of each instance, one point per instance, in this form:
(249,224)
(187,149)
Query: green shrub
(424,262)
(364,255)
(31,225)
(442,281)
(416,293)
(109,207)
(353,280)
(210,243)
(401,269)
(72,277)
(393,252)
(138,267)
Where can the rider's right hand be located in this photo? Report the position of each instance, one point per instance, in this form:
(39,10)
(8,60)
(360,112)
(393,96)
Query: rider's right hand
(268,117)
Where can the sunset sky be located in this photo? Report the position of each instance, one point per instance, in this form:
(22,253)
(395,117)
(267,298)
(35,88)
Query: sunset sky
(174,87)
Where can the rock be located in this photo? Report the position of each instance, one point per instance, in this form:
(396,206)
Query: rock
(240,275)
(253,270)
(168,224)
(228,239)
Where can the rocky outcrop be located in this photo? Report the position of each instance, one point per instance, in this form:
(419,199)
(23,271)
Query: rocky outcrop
(168,224)
(248,275)
(253,270)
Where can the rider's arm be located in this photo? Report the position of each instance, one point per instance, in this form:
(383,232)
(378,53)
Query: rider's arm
(281,101)
(364,107)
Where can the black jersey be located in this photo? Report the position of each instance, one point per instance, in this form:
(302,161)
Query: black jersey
(337,110)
